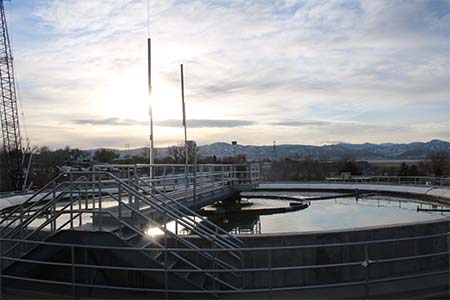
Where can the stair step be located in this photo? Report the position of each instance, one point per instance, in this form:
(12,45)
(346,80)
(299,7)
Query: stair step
(141,242)
(171,260)
(197,278)
(130,237)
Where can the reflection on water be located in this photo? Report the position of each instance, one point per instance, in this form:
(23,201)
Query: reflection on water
(339,213)
(238,223)
(174,227)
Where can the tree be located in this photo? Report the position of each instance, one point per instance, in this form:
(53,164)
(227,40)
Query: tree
(177,153)
(404,170)
(348,165)
(440,162)
(105,155)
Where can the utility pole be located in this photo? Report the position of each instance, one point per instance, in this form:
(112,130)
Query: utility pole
(275,154)
(234,143)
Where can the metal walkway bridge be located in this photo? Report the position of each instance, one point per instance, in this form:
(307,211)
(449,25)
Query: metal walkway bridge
(138,211)
(116,232)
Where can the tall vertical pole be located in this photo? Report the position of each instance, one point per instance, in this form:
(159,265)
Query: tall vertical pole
(150,111)
(184,116)
(186,158)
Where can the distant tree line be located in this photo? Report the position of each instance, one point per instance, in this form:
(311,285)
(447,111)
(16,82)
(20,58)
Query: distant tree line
(47,163)
(289,169)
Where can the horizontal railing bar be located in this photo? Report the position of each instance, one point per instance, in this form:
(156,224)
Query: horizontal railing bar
(243,248)
(209,270)
(181,166)
(395,259)
(257,290)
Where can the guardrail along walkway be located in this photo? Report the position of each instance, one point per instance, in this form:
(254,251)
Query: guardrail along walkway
(140,212)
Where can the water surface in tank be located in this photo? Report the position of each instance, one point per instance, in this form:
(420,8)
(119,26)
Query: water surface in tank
(329,214)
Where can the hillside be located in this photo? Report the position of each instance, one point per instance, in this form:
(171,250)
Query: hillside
(366,151)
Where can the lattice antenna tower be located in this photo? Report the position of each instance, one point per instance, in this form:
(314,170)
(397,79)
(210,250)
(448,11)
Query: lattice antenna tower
(12,174)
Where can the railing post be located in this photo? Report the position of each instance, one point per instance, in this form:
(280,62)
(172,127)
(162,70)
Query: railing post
(201,178)
(53,223)
(186,175)
(366,265)
(1,268)
(195,182)
(22,233)
(93,192)
(100,203)
(223,177)
(80,220)
(120,207)
(71,200)
(164,179)
(176,227)
(448,249)
(214,265)
(270,273)
(166,277)
(72,254)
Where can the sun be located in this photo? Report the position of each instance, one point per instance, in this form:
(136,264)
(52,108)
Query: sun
(125,96)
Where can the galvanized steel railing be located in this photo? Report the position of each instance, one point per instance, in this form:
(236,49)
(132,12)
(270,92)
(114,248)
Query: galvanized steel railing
(73,195)
(401,180)
(364,265)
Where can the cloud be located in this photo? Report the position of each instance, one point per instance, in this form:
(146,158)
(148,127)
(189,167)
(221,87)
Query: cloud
(301,123)
(110,122)
(194,123)
(357,66)
(205,123)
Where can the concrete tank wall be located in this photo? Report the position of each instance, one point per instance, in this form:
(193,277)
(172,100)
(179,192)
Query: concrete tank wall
(302,281)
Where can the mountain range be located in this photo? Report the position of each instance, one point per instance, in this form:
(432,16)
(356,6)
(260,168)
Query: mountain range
(366,151)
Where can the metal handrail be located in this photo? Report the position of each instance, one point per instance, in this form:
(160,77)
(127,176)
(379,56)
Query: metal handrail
(54,217)
(136,211)
(254,290)
(360,282)
(35,203)
(37,214)
(32,197)
(29,220)
(191,212)
(57,192)
(261,269)
(406,180)
(270,268)
(136,194)
(182,240)
(243,249)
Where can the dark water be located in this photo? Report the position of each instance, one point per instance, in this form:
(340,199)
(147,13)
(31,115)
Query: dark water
(339,213)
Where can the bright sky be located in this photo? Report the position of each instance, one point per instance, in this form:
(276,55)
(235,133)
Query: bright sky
(299,72)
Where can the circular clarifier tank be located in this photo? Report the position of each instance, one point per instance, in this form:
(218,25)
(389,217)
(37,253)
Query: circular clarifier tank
(341,244)
(266,216)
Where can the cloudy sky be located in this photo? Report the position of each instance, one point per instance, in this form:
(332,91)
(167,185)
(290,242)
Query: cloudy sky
(300,72)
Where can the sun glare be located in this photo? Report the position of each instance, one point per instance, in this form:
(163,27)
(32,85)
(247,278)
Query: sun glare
(126,97)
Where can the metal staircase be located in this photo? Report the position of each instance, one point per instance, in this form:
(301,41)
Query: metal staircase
(100,201)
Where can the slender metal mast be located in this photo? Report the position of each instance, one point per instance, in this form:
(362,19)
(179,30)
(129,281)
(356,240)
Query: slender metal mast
(186,158)
(184,116)
(11,168)
(150,110)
